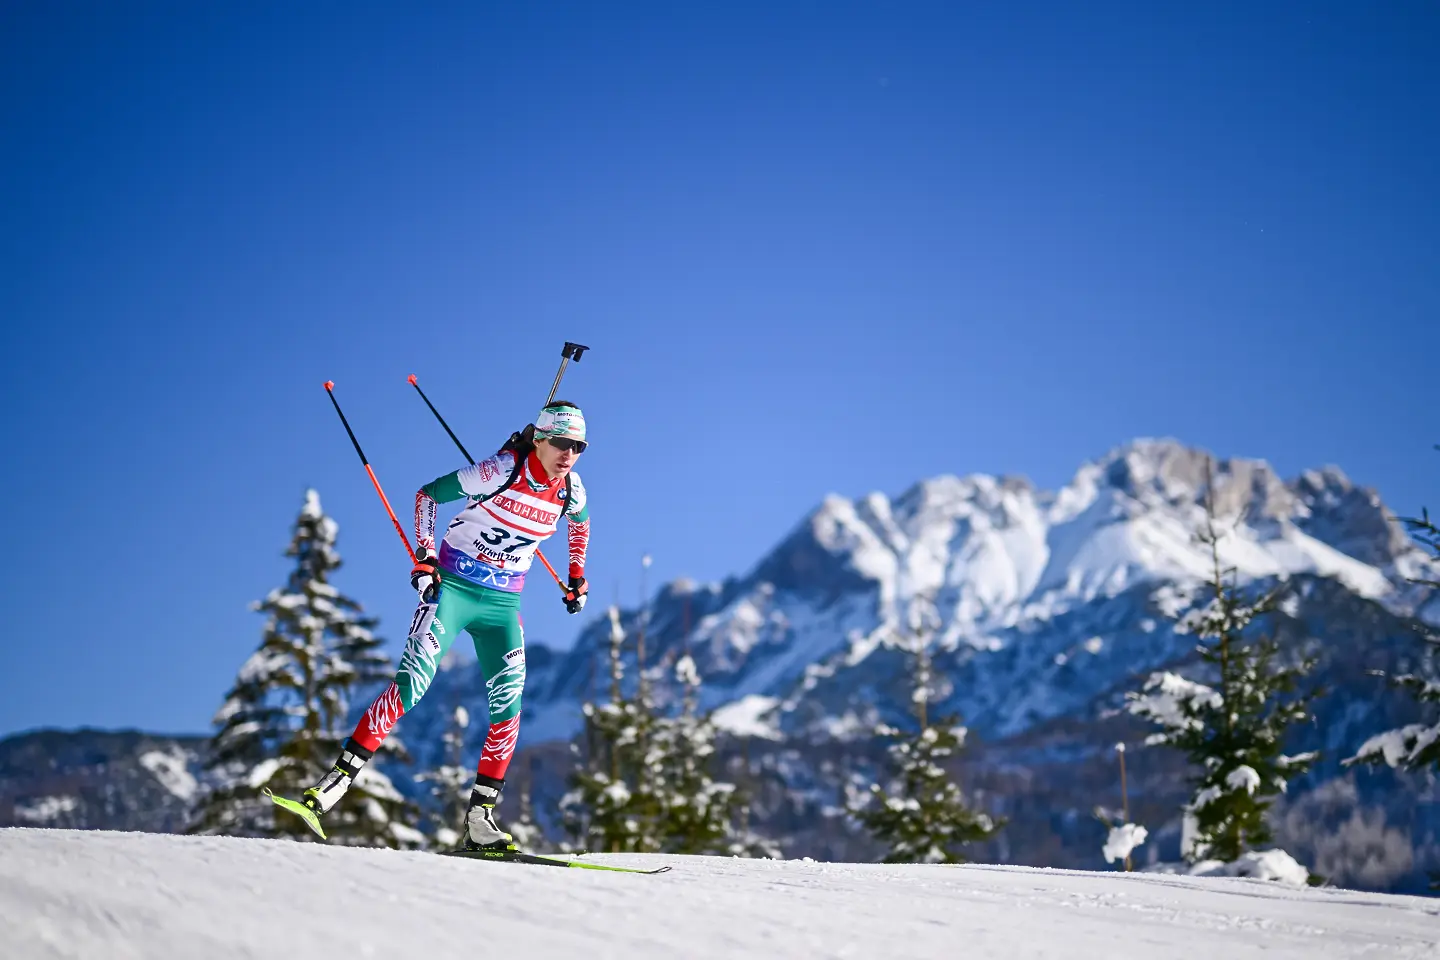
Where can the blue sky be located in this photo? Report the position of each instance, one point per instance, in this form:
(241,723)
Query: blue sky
(814,247)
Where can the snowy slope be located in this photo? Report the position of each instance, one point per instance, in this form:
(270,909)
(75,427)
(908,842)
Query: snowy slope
(117,895)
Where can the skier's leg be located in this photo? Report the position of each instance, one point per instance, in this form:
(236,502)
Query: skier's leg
(500,649)
(428,641)
(432,631)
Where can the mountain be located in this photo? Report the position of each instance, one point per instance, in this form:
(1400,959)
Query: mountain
(1048,600)
(122,780)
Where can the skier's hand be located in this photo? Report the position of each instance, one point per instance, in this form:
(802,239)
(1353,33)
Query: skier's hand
(425,575)
(576,594)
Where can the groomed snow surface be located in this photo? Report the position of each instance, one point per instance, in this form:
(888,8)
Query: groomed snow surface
(129,895)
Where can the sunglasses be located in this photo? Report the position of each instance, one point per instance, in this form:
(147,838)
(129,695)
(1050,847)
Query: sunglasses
(565,443)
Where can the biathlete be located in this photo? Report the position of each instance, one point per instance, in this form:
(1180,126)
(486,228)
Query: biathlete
(516,500)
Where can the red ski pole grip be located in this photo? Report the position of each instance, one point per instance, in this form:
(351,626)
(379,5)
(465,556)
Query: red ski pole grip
(329,384)
(411,380)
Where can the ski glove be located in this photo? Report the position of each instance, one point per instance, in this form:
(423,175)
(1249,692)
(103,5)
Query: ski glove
(576,594)
(425,575)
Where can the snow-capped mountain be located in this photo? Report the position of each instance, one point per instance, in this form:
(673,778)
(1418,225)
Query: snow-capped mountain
(1047,600)
(123,780)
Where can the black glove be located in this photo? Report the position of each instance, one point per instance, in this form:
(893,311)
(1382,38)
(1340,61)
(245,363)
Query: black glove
(575,596)
(425,575)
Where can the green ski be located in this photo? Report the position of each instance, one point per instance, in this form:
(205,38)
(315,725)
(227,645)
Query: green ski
(299,809)
(512,856)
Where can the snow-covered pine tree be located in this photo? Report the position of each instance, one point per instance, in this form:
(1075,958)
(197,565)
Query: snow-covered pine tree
(527,832)
(697,812)
(611,805)
(282,724)
(1415,746)
(250,726)
(921,816)
(1233,732)
(450,783)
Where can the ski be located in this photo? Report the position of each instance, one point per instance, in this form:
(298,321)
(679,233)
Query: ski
(299,809)
(513,856)
(500,856)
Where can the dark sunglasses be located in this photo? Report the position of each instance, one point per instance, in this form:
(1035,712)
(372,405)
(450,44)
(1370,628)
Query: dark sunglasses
(565,443)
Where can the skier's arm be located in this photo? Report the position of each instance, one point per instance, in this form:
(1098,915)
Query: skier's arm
(578,514)
(424,520)
(579,544)
(483,479)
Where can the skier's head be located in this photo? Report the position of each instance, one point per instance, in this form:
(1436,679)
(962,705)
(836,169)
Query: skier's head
(559,437)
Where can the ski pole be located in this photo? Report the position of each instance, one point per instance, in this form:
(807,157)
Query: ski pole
(330,391)
(563,588)
(415,382)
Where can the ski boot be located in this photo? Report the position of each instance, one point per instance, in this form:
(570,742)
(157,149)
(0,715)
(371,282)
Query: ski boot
(482,834)
(319,799)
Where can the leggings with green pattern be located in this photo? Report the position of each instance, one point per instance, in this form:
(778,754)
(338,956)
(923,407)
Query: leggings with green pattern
(493,620)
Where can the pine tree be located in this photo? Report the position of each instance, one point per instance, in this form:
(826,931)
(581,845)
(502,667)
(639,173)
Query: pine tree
(697,812)
(249,729)
(1415,746)
(700,814)
(450,783)
(612,805)
(1233,733)
(282,724)
(922,816)
(527,832)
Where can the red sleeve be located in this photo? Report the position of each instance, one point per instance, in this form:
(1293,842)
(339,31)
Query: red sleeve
(579,543)
(424,521)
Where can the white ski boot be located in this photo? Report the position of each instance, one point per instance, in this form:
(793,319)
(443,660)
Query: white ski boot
(325,794)
(482,833)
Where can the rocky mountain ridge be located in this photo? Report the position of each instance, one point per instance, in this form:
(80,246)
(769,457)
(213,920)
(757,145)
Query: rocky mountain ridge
(1046,599)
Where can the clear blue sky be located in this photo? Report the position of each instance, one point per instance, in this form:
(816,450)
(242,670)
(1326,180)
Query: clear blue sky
(814,246)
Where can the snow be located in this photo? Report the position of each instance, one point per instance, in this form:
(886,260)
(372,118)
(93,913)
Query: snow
(378,785)
(1168,697)
(685,672)
(45,808)
(1244,778)
(746,717)
(172,770)
(263,664)
(261,773)
(1204,798)
(1267,865)
(850,725)
(1401,746)
(1295,552)
(67,894)
(1122,840)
